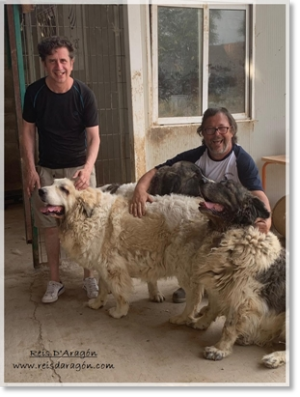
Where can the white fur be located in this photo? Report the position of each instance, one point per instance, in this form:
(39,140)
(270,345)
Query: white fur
(98,232)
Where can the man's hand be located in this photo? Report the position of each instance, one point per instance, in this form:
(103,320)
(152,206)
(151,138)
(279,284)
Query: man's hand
(137,205)
(32,181)
(263,225)
(82,178)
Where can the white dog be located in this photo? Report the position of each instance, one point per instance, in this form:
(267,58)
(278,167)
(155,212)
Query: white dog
(97,231)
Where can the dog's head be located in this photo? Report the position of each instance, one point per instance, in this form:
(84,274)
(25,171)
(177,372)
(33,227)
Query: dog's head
(182,177)
(228,203)
(62,197)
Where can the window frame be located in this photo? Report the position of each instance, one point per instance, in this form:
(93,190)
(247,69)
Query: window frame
(205,56)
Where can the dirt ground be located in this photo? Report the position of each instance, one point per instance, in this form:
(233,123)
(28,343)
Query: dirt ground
(67,343)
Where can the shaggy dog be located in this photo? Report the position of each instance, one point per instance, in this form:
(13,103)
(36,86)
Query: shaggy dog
(97,232)
(243,272)
(182,177)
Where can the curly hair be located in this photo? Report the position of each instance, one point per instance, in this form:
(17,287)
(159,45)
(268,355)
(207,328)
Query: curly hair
(49,44)
(212,112)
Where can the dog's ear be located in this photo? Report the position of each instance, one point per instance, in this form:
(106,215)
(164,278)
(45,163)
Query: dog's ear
(261,210)
(191,187)
(88,199)
(85,207)
(252,209)
(88,209)
(171,183)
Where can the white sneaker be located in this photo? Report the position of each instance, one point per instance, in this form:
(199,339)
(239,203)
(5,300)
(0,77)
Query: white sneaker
(91,287)
(54,289)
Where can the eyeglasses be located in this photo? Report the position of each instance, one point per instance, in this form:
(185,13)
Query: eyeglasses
(211,131)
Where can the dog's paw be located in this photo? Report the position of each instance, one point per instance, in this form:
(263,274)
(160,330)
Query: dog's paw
(157,297)
(244,341)
(96,303)
(274,360)
(204,310)
(179,320)
(190,321)
(117,312)
(212,353)
(201,323)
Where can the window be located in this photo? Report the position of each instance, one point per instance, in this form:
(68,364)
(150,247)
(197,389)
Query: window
(200,60)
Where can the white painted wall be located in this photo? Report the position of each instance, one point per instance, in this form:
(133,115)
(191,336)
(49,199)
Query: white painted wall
(270,93)
(265,135)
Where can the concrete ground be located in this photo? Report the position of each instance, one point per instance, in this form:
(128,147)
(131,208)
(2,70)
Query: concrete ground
(67,343)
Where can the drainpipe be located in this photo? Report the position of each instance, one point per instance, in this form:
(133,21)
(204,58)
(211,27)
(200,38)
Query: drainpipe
(14,29)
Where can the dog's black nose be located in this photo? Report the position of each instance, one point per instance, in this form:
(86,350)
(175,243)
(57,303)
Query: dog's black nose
(41,192)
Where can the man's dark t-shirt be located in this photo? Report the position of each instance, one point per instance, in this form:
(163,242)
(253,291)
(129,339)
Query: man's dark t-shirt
(61,120)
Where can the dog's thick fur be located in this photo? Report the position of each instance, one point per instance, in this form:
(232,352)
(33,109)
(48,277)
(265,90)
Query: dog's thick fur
(97,231)
(243,272)
(182,177)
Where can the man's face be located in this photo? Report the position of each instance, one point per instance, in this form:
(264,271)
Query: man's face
(219,143)
(59,66)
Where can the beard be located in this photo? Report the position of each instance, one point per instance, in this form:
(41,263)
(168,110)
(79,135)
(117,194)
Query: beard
(219,149)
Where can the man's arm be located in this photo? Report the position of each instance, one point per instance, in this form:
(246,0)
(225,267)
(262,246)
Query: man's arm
(93,144)
(32,178)
(263,225)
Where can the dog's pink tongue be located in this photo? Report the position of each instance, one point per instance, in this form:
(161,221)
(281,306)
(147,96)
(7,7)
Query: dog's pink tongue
(212,206)
(49,209)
